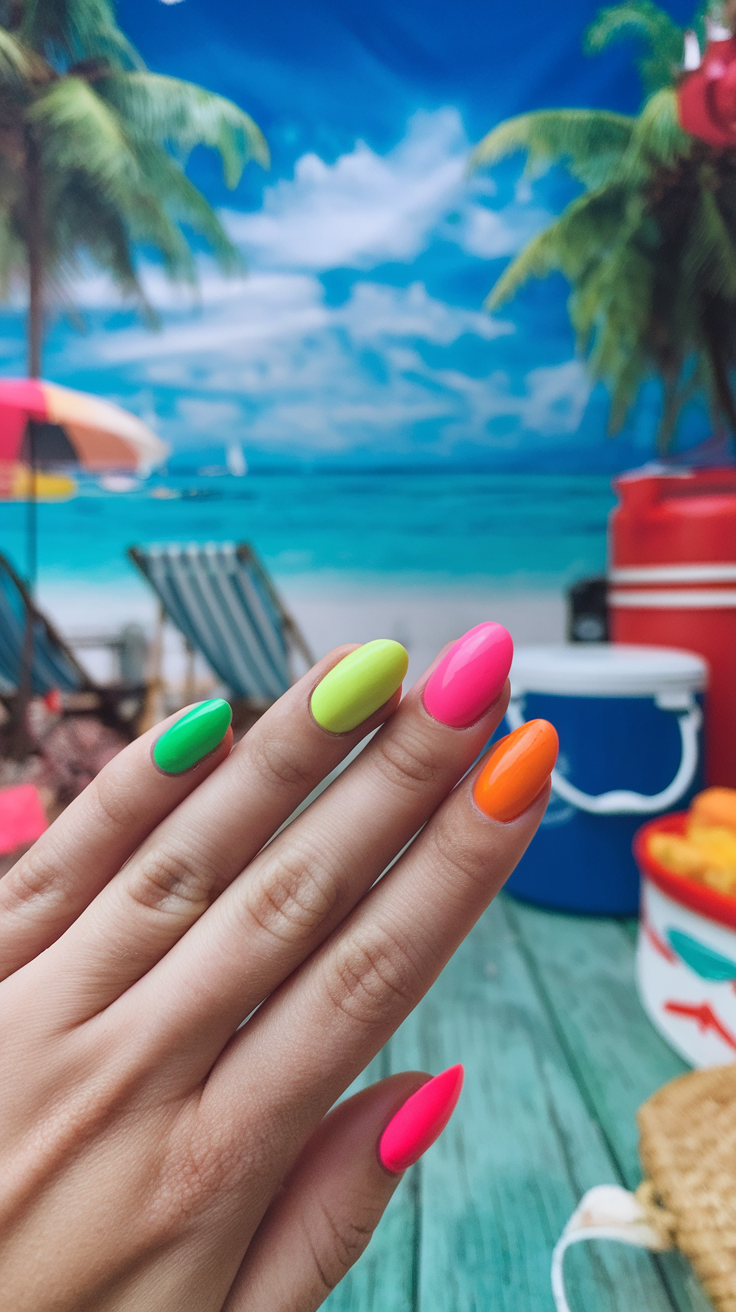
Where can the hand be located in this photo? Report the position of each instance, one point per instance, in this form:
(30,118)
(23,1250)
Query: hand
(154,1154)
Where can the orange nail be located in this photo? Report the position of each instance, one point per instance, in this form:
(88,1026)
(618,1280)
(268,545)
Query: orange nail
(516,770)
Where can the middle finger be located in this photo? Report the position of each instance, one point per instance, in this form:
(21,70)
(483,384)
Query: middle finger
(304,884)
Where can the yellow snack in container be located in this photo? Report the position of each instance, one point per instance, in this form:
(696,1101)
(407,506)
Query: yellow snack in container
(677,854)
(722,880)
(715,806)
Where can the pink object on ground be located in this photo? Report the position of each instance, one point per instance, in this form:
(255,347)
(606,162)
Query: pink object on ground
(420,1121)
(469,678)
(22,817)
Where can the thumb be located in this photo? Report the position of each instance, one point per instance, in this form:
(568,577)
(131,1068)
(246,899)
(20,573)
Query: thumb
(325,1213)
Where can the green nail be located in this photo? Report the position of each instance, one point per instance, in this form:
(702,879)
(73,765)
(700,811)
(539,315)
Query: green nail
(361,683)
(193,736)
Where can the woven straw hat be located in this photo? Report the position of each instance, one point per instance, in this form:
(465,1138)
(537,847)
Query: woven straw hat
(688,1153)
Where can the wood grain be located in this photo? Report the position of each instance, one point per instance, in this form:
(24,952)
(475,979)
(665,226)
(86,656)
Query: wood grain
(542,1010)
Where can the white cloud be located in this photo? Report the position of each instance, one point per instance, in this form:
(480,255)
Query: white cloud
(375,309)
(358,212)
(267,360)
(201,412)
(557,397)
(278,368)
(490,233)
(550,402)
(264,307)
(363,209)
(273,308)
(367,208)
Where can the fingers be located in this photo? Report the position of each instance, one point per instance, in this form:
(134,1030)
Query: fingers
(195,852)
(323,1217)
(304,884)
(42,895)
(350,996)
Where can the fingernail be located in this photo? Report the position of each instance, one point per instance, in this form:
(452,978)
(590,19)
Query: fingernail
(469,678)
(420,1121)
(361,683)
(195,735)
(516,770)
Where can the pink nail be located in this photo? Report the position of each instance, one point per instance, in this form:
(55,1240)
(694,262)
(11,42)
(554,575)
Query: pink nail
(421,1120)
(469,678)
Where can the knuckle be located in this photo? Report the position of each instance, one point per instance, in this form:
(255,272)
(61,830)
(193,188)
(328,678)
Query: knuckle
(277,760)
(293,897)
(170,880)
(197,1175)
(373,976)
(341,1241)
(458,858)
(407,759)
(118,807)
(34,876)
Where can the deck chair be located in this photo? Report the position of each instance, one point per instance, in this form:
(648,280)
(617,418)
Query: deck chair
(54,664)
(221,599)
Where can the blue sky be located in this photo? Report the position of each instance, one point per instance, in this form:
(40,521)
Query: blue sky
(358,337)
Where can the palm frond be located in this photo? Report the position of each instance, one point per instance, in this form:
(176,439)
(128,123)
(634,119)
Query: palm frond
(578,238)
(185,204)
(658,136)
(71,31)
(78,134)
(166,110)
(676,397)
(624,387)
(88,226)
(709,255)
(17,62)
(642,20)
(589,142)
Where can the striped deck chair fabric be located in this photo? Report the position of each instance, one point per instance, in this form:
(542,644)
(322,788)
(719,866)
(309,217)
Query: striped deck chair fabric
(54,665)
(222,600)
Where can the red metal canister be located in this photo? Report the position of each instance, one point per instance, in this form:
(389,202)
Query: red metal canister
(672,577)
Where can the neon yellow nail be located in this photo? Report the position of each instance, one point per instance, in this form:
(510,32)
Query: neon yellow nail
(361,683)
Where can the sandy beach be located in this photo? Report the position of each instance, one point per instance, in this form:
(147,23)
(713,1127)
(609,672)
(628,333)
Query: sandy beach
(329,610)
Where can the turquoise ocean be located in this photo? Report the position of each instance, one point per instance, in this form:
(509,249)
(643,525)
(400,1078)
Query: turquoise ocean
(514,531)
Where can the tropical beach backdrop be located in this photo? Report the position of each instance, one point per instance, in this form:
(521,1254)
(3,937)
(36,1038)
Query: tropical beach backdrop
(405,461)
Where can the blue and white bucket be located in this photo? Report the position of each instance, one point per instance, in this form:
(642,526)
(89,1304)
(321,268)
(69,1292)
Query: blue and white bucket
(629,721)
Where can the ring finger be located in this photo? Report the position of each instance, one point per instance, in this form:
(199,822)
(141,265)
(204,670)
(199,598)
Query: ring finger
(306,882)
(351,995)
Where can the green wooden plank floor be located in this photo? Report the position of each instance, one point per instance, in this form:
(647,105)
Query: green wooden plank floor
(542,1010)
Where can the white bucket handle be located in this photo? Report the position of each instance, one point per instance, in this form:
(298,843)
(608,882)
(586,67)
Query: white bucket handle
(606,1212)
(620,801)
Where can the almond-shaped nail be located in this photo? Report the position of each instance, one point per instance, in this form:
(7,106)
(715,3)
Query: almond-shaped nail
(470,676)
(420,1121)
(193,737)
(359,685)
(516,770)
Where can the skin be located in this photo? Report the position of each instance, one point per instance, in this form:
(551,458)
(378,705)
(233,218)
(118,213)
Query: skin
(154,1154)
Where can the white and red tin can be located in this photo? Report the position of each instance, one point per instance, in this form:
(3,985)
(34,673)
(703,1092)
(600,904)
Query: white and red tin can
(672,583)
(686,956)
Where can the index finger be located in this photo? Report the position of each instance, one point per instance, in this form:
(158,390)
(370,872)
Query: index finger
(44,892)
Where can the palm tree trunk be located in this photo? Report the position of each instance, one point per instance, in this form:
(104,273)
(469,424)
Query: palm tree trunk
(34,238)
(20,739)
(714,339)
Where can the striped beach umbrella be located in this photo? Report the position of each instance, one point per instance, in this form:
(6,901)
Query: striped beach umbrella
(44,426)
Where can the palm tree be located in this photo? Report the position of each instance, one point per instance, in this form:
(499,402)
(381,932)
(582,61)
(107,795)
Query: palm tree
(649,245)
(93,149)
